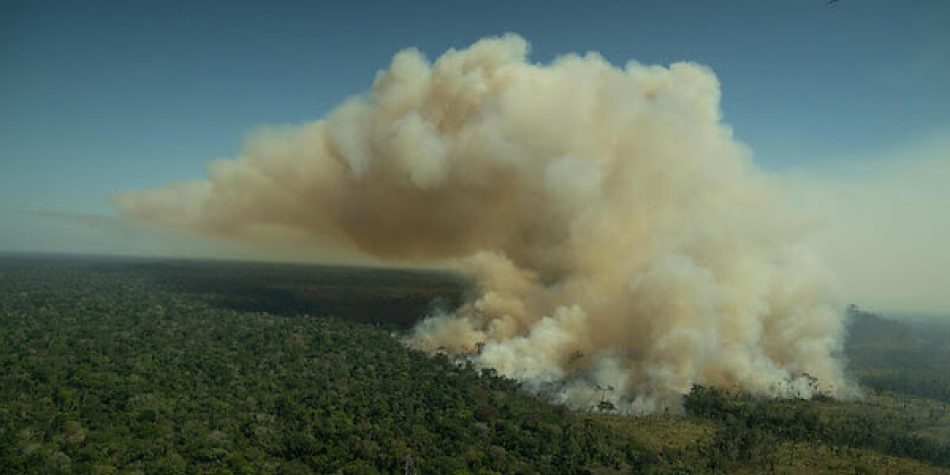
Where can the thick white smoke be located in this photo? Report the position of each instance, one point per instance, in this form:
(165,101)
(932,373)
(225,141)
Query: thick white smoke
(619,234)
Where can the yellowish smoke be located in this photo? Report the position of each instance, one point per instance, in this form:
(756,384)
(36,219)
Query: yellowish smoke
(620,235)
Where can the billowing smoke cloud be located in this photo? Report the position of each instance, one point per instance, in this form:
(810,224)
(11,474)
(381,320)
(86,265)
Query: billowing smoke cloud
(620,236)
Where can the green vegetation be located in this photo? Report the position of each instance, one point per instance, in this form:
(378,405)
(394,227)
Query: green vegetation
(752,429)
(114,366)
(103,371)
(908,357)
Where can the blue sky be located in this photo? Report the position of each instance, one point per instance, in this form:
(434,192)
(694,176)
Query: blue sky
(99,97)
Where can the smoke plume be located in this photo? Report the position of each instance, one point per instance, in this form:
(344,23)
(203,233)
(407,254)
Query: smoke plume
(620,236)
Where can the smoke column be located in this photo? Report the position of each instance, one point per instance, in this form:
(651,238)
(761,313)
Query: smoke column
(619,235)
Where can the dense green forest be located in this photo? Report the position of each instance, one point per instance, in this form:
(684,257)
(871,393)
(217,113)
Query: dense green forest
(123,366)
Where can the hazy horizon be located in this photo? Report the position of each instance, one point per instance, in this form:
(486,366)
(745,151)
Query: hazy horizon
(843,104)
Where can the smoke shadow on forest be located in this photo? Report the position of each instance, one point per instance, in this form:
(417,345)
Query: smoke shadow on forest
(390,297)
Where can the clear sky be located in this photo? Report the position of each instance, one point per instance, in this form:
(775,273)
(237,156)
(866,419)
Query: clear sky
(97,97)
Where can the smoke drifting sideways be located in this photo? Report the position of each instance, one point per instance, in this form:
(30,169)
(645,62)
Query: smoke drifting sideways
(619,235)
